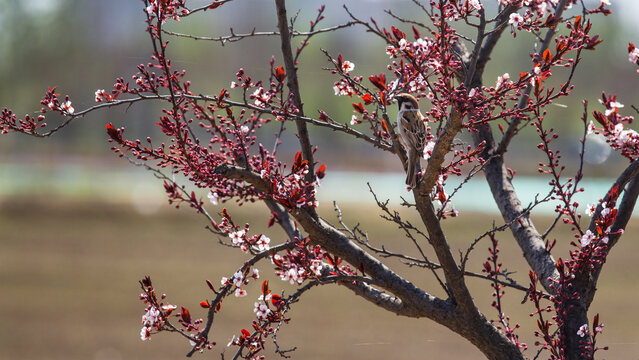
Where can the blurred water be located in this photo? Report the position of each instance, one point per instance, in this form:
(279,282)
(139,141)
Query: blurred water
(139,187)
(475,195)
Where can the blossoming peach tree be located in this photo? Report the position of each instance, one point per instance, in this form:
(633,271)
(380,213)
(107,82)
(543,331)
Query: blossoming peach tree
(212,141)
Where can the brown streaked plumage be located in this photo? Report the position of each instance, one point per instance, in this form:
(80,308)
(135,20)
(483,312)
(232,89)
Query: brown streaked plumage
(412,133)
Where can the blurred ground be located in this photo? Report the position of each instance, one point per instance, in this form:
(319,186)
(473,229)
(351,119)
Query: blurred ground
(69,272)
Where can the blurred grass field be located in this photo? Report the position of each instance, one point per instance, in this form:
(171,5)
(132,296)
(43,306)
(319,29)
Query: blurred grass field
(69,272)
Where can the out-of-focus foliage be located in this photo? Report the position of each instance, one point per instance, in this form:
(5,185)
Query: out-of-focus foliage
(81,46)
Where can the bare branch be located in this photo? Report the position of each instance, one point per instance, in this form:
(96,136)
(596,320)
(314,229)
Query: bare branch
(293,86)
(233,37)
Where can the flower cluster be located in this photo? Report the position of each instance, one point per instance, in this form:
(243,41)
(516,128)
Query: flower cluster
(301,263)
(613,127)
(171,9)
(157,315)
(240,279)
(633,54)
(269,310)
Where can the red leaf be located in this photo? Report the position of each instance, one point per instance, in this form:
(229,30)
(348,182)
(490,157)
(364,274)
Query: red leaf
(333,261)
(186,315)
(368,99)
(280,74)
(245,333)
(359,107)
(321,171)
(416,33)
(276,299)
(384,126)
(265,290)
(210,284)
(547,56)
(398,33)
(205,304)
(379,81)
(298,163)
(600,118)
(274,218)
(114,133)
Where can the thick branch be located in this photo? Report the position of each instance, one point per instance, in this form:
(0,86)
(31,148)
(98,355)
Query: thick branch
(523,229)
(414,300)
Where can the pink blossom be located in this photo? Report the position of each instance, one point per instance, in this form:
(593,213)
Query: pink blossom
(402,44)
(633,56)
(343,88)
(145,334)
(587,238)
(261,310)
(614,106)
(583,330)
(421,44)
(238,279)
(100,95)
(261,97)
(67,108)
(428,149)
(316,267)
(516,19)
(590,209)
(168,307)
(237,237)
(213,197)
(348,66)
(475,4)
(501,80)
(262,243)
(239,292)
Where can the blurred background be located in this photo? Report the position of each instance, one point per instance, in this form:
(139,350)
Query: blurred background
(79,226)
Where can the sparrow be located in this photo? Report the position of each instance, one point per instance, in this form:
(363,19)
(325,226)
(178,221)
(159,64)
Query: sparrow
(412,133)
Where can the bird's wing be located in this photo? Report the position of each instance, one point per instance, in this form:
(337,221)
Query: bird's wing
(415,130)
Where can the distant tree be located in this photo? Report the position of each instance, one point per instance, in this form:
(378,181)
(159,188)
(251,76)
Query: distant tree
(212,141)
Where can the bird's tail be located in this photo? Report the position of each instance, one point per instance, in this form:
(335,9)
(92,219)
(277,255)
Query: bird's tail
(413,169)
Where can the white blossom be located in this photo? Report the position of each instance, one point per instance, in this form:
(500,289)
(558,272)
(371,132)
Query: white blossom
(583,330)
(348,66)
(590,209)
(587,238)
(515,19)
(501,80)
(213,197)
(474,4)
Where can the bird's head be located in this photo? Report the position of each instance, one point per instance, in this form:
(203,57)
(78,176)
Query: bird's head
(407,102)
